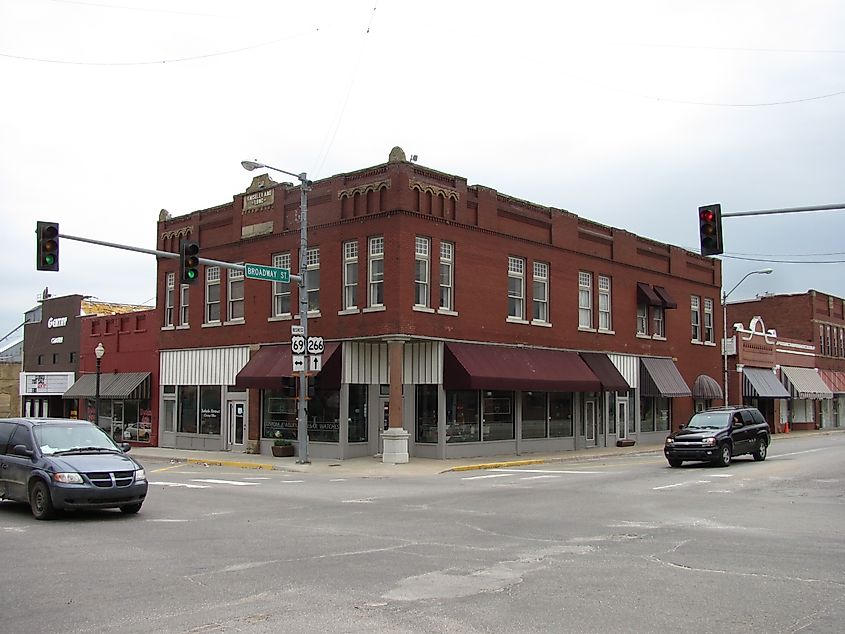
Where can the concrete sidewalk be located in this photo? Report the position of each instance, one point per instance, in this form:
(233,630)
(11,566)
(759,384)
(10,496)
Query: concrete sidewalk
(372,466)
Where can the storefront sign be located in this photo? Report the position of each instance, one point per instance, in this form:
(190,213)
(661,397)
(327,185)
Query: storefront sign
(258,199)
(57,322)
(757,327)
(57,340)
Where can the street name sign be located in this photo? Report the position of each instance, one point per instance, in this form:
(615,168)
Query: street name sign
(269,273)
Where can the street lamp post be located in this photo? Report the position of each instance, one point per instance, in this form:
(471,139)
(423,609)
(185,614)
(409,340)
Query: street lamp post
(99,351)
(304,186)
(725,326)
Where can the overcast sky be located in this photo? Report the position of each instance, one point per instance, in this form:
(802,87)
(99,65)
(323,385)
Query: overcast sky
(630,113)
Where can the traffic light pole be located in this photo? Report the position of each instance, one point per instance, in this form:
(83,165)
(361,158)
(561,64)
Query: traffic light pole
(785,210)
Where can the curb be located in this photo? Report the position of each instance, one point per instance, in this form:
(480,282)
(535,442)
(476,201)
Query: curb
(496,465)
(230,463)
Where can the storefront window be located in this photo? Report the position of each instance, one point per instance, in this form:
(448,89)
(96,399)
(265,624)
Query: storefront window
(498,415)
(278,415)
(324,416)
(655,413)
(187,412)
(357,413)
(168,416)
(560,415)
(426,413)
(210,409)
(662,414)
(611,412)
(462,416)
(534,416)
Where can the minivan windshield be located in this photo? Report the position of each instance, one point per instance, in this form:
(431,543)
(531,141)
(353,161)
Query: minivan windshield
(76,437)
(709,420)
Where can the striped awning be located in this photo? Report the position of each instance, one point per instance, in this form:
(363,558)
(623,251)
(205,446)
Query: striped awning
(762,383)
(131,385)
(834,379)
(706,387)
(660,377)
(804,383)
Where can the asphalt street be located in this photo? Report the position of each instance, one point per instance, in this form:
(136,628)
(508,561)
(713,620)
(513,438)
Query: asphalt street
(614,544)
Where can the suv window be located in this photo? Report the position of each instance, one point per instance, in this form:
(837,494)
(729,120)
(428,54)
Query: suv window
(20,437)
(710,420)
(6,429)
(746,417)
(756,416)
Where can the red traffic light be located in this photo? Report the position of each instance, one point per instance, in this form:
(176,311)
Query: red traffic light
(710,229)
(707,215)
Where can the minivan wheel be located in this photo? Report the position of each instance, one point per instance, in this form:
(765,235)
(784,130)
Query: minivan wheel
(131,509)
(40,502)
(760,453)
(724,458)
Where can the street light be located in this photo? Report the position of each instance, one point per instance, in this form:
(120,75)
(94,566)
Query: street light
(99,351)
(304,186)
(725,325)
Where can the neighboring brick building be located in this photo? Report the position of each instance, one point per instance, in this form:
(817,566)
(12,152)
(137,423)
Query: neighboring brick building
(450,310)
(810,331)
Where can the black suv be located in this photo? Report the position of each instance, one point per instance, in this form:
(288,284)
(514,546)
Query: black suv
(717,435)
(53,464)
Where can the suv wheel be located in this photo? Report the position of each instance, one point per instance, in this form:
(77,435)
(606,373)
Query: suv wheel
(724,458)
(760,453)
(40,502)
(674,462)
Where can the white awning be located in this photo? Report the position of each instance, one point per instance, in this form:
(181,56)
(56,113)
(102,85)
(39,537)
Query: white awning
(805,383)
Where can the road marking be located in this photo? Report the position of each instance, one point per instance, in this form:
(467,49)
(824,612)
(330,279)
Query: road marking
(179,484)
(338,480)
(174,466)
(721,475)
(539,477)
(492,475)
(544,471)
(258,478)
(795,453)
(291,481)
(670,486)
(232,482)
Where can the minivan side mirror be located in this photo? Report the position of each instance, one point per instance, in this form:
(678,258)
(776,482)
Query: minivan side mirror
(21,450)
(125,446)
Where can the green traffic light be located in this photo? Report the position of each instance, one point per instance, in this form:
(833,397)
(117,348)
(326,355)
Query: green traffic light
(49,259)
(191,274)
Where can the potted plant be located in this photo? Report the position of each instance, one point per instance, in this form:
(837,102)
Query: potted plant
(281,446)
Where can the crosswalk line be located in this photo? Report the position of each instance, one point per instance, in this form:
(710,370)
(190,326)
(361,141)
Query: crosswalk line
(232,482)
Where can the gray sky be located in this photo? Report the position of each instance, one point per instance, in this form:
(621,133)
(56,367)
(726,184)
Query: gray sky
(630,113)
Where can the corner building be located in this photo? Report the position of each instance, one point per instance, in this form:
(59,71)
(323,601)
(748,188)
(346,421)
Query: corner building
(469,321)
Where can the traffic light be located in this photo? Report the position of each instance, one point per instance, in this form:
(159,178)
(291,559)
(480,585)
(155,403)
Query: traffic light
(189,261)
(48,246)
(710,229)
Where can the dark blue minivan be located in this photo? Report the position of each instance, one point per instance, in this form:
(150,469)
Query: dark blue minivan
(54,464)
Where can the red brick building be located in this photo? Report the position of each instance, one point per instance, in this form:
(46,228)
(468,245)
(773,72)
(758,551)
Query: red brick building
(808,353)
(476,322)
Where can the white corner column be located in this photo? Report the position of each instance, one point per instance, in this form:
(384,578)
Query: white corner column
(395,438)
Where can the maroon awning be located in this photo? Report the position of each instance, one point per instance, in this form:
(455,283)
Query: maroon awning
(610,377)
(270,364)
(470,366)
(665,297)
(646,295)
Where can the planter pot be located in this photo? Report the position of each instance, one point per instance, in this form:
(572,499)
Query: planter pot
(282,451)
(625,443)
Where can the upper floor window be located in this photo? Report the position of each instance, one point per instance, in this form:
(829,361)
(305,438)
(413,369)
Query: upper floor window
(235,294)
(540,292)
(350,275)
(695,317)
(709,335)
(516,288)
(585,299)
(642,318)
(312,264)
(212,294)
(447,260)
(281,290)
(659,321)
(605,321)
(184,302)
(170,297)
(422,267)
(375,268)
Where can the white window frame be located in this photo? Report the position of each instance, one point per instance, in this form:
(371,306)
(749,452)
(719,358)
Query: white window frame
(605,307)
(235,295)
(422,271)
(170,296)
(540,293)
(585,300)
(375,279)
(516,288)
(212,279)
(312,265)
(184,303)
(281,290)
(642,319)
(695,318)
(447,276)
(658,319)
(709,334)
(350,276)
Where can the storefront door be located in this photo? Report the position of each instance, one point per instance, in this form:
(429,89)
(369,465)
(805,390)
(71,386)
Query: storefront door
(236,425)
(622,417)
(590,422)
(384,407)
